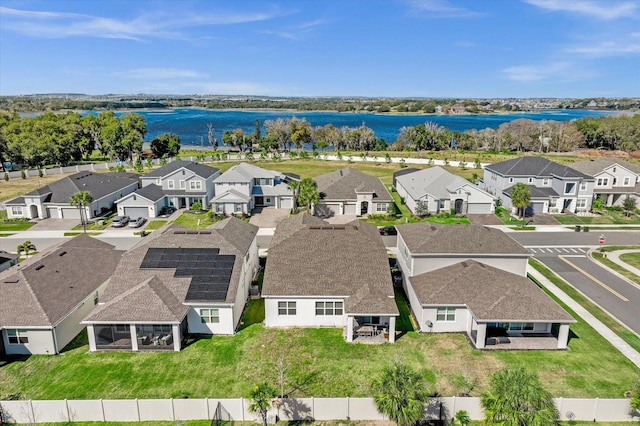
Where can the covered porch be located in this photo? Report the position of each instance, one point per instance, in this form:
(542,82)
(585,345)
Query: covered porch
(370,329)
(136,337)
(520,336)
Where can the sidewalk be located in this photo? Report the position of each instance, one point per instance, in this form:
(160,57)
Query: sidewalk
(602,329)
(614,256)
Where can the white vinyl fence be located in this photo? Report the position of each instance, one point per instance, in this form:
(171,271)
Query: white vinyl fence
(30,412)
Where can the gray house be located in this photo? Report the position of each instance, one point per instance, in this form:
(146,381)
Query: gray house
(472,279)
(614,179)
(344,284)
(147,201)
(554,188)
(174,282)
(45,297)
(442,191)
(183,182)
(52,201)
(351,192)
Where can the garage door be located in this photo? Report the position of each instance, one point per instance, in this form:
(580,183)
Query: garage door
(327,210)
(538,207)
(70,213)
(136,211)
(349,209)
(52,212)
(286,203)
(479,208)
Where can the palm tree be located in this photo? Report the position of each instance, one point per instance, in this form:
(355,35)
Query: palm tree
(400,394)
(26,247)
(308,193)
(81,199)
(294,185)
(515,397)
(520,197)
(461,418)
(261,397)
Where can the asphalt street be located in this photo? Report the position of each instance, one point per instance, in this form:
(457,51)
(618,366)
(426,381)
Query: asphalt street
(589,239)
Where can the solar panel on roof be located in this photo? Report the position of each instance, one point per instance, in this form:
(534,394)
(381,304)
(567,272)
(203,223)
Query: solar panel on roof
(210,271)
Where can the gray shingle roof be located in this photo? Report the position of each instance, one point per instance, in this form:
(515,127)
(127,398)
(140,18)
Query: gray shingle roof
(310,257)
(594,166)
(245,172)
(536,192)
(151,192)
(534,166)
(436,181)
(201,170)
(427,237)
(231,236)
(343,185)
(490,293)
(42,290)
(98,184)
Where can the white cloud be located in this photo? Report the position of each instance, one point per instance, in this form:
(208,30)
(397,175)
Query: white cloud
(561,71)
(441,9)
(159,73)
(596,9)
(608,48)
(45,24)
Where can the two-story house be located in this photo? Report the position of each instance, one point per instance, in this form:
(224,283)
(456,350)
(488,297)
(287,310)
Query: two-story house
(176,281)
(473,279)
(178,184)
(554,188)
(614,179)
(441,190)
(244,187)
(52,201)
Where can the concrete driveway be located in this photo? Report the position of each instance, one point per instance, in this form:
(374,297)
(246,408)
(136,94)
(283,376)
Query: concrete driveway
(484,219)
(54,224)
(267,217)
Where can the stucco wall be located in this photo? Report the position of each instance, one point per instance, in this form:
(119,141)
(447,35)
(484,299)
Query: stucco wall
(40,342)
(305,313)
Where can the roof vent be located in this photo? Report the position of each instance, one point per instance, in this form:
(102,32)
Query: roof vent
(179,231)
(62,253)
(205,232)
(39,267)
(12,280)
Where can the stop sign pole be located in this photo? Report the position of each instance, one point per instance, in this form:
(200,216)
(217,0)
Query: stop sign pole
(601,240)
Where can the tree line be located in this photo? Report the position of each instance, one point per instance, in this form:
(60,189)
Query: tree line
(61,139)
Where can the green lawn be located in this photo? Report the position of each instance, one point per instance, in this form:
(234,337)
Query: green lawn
(155,224)
(194,220)
(505,216)
(619,269)
(606,217)
(611,323)
(632,259)
(15,226)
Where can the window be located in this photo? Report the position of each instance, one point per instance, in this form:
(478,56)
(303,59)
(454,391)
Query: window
(17,337)
(238,208)
(581,203)
(210,316)
(381,207)
(583,186)
(268,200)
(615,181)
(570,188)
(553,202)
(328,308)
(441,204)
(446,314)
(171,184)
(626,181)
(530,180)
(286,308)
(602,182)
(545,182)
(195,185)
(219,207)
(15,210)
(182,184)
(510,180)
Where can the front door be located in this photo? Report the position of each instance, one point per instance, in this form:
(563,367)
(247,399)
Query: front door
(458,206)
(364,208)
(259,201)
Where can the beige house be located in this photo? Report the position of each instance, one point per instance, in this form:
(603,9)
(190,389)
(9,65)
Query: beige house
(351,192)
(614,179)
(322,275)
(472,279)
(44,298)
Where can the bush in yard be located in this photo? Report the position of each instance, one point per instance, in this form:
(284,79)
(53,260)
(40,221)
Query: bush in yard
(197,206)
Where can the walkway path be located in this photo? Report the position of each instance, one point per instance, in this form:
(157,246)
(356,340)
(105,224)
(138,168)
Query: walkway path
(602,329)
(614,256)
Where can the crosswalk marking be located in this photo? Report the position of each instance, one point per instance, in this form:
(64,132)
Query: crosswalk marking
(571,251)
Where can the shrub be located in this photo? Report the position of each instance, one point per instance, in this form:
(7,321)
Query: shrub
(23,175)
(197,206)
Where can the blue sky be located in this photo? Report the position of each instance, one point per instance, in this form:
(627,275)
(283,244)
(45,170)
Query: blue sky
(404,48)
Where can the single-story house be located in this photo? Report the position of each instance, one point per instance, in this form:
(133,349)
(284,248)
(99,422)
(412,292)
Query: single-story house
(45,297)
(244,187)
(176,282)
(52,201)
(442,191)
(473,279)
(614,179)
(322,275)
(183,182)
(147,201)
(351,192)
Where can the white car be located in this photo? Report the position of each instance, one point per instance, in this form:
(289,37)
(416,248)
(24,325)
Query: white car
(137,222)
(120,221)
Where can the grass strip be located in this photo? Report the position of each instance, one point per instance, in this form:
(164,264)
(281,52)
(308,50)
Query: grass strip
(625,334)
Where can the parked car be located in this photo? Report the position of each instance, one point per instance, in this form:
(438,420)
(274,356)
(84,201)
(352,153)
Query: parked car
(388,230)
(120,221)
(137,222)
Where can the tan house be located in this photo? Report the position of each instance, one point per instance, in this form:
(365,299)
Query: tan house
(614,179)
